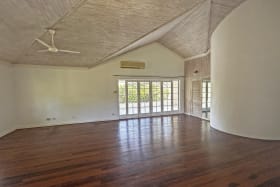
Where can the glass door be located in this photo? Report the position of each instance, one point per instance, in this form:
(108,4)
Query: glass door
(132,98)
(167,96)
(122,97)
(206,99)
(176,95)
(156,97)
(140,98)
(145,99)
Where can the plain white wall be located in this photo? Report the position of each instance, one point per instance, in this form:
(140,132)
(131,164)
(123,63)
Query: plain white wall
(82,95)
(245,71)
(7,99)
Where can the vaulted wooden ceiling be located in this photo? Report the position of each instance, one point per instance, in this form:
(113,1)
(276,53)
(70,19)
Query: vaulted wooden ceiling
(103,29)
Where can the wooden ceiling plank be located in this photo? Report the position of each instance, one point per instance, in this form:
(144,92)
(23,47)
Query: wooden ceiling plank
(148,38)
(190,37)
(102,29)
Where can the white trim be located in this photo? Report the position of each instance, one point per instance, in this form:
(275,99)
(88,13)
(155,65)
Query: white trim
(197,56)
(196,116)
(70,122)
(7,131)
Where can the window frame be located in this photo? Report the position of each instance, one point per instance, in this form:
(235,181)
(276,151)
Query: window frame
(207,96)
(152,112)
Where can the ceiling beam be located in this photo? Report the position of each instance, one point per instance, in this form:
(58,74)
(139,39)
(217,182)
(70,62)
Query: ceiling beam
(197,56)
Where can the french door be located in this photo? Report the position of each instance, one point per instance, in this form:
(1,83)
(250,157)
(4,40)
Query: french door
(206,98)
(140,98)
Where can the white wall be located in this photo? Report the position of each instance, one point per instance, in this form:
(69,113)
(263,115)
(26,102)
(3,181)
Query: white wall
(245,71)
(81,95)
(7,103)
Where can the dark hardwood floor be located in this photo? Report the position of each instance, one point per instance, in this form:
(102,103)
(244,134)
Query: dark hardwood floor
(160,151)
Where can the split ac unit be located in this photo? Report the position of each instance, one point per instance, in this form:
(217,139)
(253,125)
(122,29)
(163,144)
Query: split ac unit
(132,65)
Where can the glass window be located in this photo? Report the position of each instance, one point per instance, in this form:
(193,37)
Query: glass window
(138,97)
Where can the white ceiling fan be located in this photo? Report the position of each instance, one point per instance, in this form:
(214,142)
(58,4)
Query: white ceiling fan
(52,48)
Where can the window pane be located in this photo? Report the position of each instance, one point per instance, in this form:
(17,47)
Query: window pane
(122,97)
(203,90)
(156,96)
(132,97)
(206,95)
(176,95)
(166,86)
(204,84)
(144,97)
(203,105)
(204,100)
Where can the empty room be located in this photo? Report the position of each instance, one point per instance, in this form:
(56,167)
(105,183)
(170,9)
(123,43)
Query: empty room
(130,93)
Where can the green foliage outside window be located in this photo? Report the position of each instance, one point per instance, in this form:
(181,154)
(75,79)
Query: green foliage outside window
(144,93)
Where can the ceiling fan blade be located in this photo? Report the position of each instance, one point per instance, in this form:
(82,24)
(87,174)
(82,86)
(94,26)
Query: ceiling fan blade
(43,51)
(52,32)
(68,51)
(43,43)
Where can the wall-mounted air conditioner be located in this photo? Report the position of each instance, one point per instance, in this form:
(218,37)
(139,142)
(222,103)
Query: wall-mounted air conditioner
(132,65)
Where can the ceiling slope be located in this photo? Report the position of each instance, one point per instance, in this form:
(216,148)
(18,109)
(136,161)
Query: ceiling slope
(104,29)
(190,37)
(220,9)
(189,34)
(100,28)
(149,38)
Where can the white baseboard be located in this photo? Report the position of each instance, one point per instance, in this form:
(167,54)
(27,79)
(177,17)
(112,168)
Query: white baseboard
(197,116)
(62,123)
(3,133)
(58,123)
(7,131)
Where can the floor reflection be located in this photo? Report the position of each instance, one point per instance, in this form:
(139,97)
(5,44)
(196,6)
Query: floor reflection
(206,115)
(159,151)
(146,137)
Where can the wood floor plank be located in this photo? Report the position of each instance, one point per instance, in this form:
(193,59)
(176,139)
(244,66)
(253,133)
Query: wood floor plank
(176,150)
